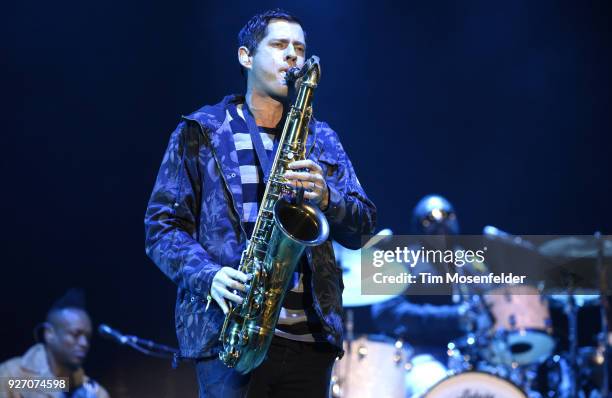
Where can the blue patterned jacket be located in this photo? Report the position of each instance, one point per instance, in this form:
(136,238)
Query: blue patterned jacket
(193,227)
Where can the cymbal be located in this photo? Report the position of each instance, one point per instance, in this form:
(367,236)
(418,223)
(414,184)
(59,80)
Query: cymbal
(354,282)
(575,247)
(580,299)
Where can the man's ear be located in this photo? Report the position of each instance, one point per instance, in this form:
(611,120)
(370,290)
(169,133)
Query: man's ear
(48,332)
(244,57)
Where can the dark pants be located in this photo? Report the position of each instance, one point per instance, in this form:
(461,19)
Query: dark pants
(291,369)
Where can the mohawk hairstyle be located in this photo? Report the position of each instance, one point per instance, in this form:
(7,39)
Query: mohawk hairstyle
(73,298)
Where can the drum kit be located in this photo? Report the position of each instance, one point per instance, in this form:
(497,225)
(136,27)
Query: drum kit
(510,349)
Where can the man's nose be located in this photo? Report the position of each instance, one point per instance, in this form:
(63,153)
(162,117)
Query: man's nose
(290,54)
(83,341)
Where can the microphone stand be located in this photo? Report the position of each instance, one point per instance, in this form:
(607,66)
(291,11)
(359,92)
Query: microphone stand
(147,347)
(603,290)
(572,316)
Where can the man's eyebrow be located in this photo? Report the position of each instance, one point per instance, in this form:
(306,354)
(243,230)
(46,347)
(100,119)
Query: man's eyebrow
(287,41)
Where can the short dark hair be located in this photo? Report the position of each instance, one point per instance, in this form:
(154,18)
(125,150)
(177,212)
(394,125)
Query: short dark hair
(256,28)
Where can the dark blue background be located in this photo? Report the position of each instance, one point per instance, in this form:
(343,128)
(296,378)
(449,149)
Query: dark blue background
(503,107)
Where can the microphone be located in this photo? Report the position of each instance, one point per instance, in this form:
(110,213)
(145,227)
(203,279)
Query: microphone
(504,236)
(108,332)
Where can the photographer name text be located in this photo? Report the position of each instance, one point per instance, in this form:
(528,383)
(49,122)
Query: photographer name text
(449,277)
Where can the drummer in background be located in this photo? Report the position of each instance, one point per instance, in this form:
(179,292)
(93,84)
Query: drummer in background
(427,322)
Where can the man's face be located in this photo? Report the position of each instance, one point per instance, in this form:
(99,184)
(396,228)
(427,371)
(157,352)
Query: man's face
(439,222)
(282,48)
(68,337)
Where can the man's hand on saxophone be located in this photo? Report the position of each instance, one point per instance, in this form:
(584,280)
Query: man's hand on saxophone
(225,281)
(312,180)
(303,173)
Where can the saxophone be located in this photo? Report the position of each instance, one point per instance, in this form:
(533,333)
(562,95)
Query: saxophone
(283,229)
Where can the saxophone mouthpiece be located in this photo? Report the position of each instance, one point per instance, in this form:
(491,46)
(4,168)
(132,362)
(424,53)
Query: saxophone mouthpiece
(293,74)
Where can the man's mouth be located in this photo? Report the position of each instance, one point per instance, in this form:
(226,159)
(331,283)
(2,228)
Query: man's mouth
(283,76)
(80,354)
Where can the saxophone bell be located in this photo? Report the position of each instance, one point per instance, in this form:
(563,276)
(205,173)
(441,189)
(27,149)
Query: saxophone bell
(303,223)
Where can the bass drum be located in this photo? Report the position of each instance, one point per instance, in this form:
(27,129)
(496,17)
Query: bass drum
(475,384)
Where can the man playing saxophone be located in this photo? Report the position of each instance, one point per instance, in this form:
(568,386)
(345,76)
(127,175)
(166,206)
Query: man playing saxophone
(204,206)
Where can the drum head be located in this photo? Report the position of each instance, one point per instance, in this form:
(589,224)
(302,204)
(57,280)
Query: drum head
(522,347)
(475,384)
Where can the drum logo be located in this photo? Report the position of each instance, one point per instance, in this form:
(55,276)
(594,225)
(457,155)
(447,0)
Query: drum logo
(469,394)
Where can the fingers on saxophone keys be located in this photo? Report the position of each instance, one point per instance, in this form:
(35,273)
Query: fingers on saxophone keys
(237,275)
(297,175)
(232,297)
(237,286)
(292,184)
(306,163)
(307,182)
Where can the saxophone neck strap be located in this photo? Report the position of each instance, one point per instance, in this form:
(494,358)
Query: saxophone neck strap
(262,156)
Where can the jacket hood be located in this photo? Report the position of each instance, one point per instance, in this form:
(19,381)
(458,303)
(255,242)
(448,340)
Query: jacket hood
(212,116)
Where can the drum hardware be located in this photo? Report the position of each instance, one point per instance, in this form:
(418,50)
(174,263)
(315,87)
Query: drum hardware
(463,353)
(515,347)
(590,362)
(512,349)
(513,354)
(553,378)
(590,253)
(604,311)
(571,311)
